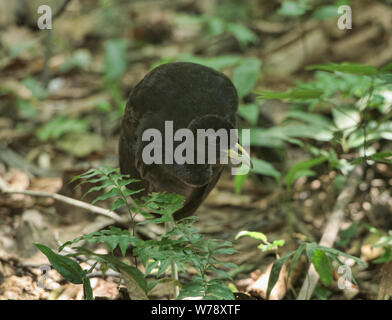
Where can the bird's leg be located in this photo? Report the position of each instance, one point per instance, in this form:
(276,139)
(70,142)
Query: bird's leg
(174,268)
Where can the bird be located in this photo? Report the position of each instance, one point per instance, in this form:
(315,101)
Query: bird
(185,95)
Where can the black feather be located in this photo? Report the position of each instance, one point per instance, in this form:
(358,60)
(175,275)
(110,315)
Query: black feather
(192,96)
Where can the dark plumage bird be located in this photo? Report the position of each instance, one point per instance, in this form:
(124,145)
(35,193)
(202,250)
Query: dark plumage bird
(192,96)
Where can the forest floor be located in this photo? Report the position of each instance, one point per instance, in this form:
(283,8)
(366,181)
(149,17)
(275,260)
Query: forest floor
(33,158)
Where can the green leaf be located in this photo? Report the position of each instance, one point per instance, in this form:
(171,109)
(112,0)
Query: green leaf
(253,234)
(296,256)
(124,182)
(346,235)
(250,112)
(243,35)
(79,144)
(384,156)
(239,181)
(387,67)
(80,59)
(36,88)
(311,118)
(159,220)
(339,182)
(246,75)
(216,26)
(164,203)
(68,268)
(271,246)
(88,174)
(264,168)
(135,281)
(346,67)
(151,266)
(276,136)
(128,192)
(382,131)
(301,166)
(194,288)
(218,62)
(304,173)
(115,59)
(120,202)
(61,125)
(321,292)
(291,95)
(386,257)
(163,266)
(291,9)
(112,238)
(310,249)
(275,271)
(168,281)
(278,243)
(343,254)
(326,12)
(305,131)
(100,179)
(110,194)
(323,265)
(347,118)
(104,185)
(220,273)
(270,138)
(225,251)
(88,291)
(217,289)
(386,77)
(26,109)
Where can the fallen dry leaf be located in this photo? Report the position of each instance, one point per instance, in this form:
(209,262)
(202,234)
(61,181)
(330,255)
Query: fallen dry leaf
(46,184)
(368,250)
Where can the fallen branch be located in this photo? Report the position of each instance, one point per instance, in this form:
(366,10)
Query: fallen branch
(76,203)
(332,228)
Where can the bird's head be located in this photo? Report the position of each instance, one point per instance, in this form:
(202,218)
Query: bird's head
(214,144)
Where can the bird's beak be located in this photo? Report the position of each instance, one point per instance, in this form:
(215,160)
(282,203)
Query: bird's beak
(244,157)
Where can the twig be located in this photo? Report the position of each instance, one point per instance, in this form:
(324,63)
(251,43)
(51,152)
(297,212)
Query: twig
(332,228)
(76,203)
